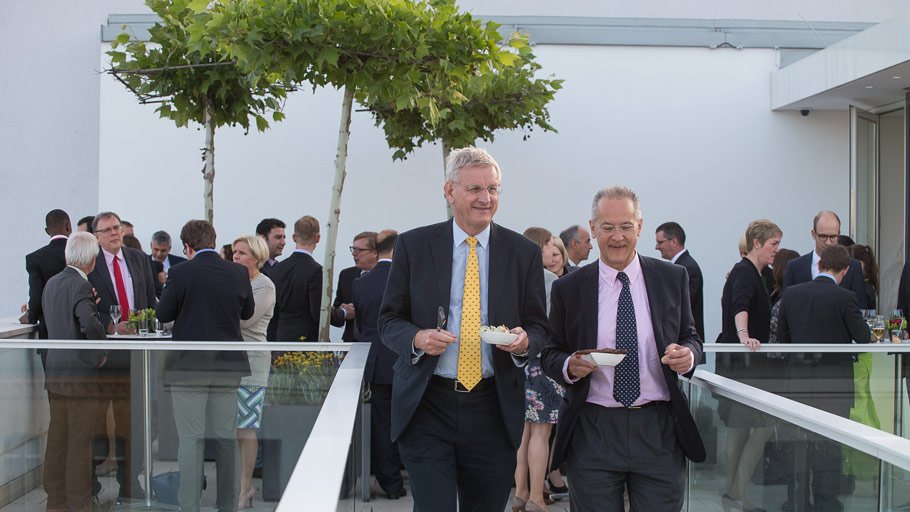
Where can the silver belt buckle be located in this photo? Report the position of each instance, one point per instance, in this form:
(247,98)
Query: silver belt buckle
(465,390)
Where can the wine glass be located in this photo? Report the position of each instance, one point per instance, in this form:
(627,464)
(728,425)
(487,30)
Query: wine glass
(878,328)
(115,316)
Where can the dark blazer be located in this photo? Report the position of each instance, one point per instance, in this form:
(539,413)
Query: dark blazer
(903,290)
(206,298)
(271,334)
(298,297)
(573,326)
(140,269)
(420,281)
(821,312)
(367,297)
(345,295)
(42,265)
(70,313)
(696,291)
(799,270)
(174,259)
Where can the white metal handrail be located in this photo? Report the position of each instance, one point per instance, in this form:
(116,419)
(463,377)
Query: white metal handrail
(318,476)
(882,445)
(820,348)
(111,344)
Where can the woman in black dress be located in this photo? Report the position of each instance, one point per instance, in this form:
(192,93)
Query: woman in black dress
(746,316)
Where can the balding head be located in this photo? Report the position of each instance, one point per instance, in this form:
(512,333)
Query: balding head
(825,230)
(385,243)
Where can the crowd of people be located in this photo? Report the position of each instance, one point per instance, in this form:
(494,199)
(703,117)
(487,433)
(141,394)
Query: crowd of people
(466,418)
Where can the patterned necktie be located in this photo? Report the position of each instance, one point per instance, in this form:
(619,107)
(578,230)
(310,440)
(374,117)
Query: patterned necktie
(626,384)
(122,297)
(469,372)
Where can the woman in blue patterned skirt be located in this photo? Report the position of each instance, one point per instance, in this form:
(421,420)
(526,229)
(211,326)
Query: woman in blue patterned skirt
(542,398)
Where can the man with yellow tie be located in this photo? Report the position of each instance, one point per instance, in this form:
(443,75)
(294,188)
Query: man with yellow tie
(458,403)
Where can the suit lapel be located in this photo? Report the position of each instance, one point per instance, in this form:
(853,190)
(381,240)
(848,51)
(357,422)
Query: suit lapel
(588,303)
(101,267)
(441,250)
(655,300)
(499,254)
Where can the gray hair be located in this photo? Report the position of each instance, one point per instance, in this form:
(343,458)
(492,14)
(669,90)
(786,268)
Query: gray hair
(469,157)
(616,192)
(81,249)
(161,238)
(569,234)
(103,216)
(259,250)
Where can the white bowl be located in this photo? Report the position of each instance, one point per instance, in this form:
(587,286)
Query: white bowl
(498,338)
(604,359)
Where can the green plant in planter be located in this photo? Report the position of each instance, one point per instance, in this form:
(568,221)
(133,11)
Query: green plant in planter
(141,314)
(302,378)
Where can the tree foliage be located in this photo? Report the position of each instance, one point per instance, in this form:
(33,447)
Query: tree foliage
(508,98)
(181,68)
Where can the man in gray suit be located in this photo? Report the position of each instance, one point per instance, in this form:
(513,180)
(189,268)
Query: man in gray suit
(76,410)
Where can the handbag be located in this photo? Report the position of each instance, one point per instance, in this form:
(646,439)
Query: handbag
(165,486)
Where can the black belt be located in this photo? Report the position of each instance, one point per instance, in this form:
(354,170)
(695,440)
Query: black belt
(646,405)
(454,385)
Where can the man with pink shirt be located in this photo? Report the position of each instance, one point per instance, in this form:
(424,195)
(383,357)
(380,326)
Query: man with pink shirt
(628,426)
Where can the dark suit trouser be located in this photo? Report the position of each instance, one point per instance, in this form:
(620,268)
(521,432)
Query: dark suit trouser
(456,447)
(385,457)
(614,448)
(194,408)
(75,422)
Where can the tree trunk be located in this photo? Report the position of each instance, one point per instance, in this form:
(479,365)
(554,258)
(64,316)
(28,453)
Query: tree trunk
(445,156)
(208,172)
(328,266)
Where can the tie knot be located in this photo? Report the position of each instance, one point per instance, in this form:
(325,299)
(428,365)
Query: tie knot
(623,278)
(471,241)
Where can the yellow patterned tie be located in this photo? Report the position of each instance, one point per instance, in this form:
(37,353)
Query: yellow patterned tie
(469,372)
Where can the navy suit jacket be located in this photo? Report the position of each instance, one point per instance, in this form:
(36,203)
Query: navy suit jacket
(696,288)
(368,292)
(573,326)
(345,294)
(419,283)
(799,270)
(206,298)
(42,265)
(298,297)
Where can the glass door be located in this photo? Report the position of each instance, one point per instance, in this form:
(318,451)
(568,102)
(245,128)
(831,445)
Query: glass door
(864,177)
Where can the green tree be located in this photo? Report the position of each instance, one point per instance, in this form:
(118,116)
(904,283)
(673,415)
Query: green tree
(508,98)
(181,70)
(411,55)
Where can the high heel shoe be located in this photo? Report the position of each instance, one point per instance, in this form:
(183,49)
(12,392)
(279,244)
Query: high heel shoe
(246,499)
(518,504)
(534,507)
(557,490)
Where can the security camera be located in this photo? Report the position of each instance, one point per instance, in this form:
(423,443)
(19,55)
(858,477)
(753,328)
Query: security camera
(804,112)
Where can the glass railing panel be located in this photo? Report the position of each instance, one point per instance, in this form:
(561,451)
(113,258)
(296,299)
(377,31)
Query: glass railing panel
(78,433)
(758,461)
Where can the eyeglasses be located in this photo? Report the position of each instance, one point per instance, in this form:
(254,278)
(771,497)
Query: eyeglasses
(358,250)
(664,240)
(475,190)
(113,229)
(827,238)
(627,228)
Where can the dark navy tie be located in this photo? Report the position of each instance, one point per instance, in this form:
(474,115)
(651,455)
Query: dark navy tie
(626,385)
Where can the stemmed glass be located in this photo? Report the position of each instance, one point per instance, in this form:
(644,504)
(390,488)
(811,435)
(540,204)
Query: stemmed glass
(878,328)
(115,316)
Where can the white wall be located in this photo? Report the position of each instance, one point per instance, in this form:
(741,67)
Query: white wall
(689,129)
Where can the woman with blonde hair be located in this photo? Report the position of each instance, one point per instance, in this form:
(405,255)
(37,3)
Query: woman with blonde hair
(558,262)
(251,251)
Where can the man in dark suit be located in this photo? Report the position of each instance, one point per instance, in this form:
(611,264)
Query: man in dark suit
(457,403)
(578,244)
(206,298)
(607,433)
(821,312)
(364,253)
(161,252)
(670,241)
(298,286)
(76,408)
(42,265)
(825,232)
(122,276)
(367,297)
(272,230)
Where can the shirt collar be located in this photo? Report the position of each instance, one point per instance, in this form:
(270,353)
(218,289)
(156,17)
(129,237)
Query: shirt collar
(829,276)
(384,259)
(58,237)
(303,251)
(200,251)
(459,236)
(609,274)
(81,273)
(674,258)
(109,257)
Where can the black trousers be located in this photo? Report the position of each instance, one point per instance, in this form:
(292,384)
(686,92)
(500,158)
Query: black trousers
(612,449)
(386,461)
(456,450)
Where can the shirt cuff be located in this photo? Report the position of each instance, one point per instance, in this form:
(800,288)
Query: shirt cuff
(416,354)
(565,372)
(520,360)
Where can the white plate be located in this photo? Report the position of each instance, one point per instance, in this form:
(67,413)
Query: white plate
(498,338)
(604,359)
